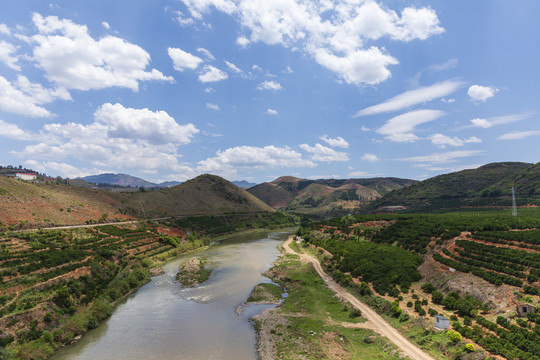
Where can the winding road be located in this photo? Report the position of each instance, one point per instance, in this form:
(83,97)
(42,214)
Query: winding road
(379,324)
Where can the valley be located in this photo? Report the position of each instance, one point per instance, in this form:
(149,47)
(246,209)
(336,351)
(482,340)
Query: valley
(470,261)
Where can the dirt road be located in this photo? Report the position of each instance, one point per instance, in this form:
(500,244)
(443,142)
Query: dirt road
(378,322)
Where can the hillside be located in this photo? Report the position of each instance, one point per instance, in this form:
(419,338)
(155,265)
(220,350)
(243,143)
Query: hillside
(25,204)
(324,197)
(488,185)
(203,195)
(123,180)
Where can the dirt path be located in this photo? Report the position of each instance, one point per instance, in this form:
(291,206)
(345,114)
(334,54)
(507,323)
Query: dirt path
(378,322)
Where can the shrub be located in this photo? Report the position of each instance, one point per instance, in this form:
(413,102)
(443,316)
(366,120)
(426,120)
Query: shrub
(469,347)
(404,317)
(454,336)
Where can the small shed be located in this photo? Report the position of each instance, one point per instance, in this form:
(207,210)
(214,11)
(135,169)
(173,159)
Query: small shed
(26,176)
(523,309)
(441,323)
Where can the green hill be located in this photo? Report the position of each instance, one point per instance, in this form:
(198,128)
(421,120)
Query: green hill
(324,197)
(203,195)
(488,185)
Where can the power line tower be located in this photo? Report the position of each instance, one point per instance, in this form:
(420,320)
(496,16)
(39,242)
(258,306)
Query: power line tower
(514,206)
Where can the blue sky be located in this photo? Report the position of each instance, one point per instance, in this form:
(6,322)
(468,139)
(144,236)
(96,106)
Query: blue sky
(256,89)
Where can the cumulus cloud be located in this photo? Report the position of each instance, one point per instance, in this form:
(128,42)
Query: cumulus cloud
(206,53)
(413,97)
(370,157)
(401,127)
(337,142)
(226,162)
(271,112)
(24,97)
(333,33)
(233,67)
(4,29)
(322,153)
(212,106)
(106,25)
(481,93)
(155,127)
(519,135)
(7,55)
(119,138)
(356,174)
(269,85)
(183,60)
(442,140)
(212,74)
(72,59)
(442,158)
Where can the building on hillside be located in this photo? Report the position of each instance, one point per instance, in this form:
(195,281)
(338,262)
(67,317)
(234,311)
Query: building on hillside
(26,176)
(523,309)
(441,323)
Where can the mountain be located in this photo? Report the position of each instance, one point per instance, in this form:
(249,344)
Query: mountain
(24,204)
(488,185)
(117,179)
(203,195)
(243,184)
(324,197)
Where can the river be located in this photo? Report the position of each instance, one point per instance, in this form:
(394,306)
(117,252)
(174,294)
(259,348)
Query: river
(164,321)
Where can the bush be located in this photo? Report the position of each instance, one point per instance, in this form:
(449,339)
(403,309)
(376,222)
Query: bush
(454,336)
(469,347)
(404,317)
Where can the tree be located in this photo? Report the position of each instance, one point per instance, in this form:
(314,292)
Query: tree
(454,336)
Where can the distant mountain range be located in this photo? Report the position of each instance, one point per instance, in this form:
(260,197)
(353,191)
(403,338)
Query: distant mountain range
(132,181)
(324,197)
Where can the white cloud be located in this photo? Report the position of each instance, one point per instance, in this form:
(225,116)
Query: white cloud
(7,55)
(452,63)
(365,128)
(212,74)
(23,97)
(400,128)
(12,131)
(233,67)
(74,60)
(156,128)
(182,19)
(242,41)
(119,138)
(63,169)
(413,97)
(334,33)
(443,158)
(481,93)
(227,162)
(481,123)
(106,25)
(323,153)
(183,60)
(4,29)
(499,120)
(269,85)
(361,66)
(355,174)
(206,53)
(370,157)
(288,70)
(337,142)
(519,135)
(442,140)
(271,112)
(212,106)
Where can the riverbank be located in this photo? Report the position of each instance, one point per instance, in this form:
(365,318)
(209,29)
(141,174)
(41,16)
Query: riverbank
(313,323)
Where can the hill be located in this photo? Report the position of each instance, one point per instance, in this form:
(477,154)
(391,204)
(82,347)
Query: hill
(203,195)
(118,179)
(488,185)
(25,204)
(324,197)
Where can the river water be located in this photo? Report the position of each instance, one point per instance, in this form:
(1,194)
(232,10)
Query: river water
(164,321)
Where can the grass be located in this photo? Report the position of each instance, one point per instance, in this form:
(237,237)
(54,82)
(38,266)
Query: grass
(265,292)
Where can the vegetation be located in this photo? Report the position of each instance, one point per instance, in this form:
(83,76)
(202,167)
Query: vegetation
(265,292)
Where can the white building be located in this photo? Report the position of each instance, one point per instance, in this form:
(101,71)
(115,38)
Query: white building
(26,176)
(441,322)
